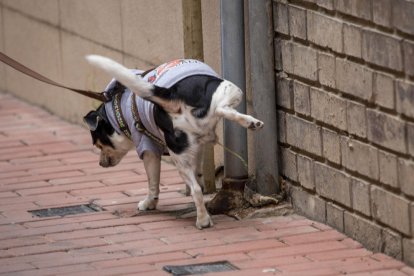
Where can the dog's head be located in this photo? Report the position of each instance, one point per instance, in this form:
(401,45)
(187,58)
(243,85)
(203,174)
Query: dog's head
(113,146)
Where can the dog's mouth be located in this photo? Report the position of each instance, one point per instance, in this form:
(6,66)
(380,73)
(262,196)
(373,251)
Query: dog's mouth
(108,162)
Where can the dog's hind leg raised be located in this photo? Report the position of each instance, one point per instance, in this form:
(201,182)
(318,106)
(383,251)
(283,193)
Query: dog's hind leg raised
(226,98)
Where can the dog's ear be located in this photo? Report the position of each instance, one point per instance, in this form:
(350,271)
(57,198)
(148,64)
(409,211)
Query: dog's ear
(92,120)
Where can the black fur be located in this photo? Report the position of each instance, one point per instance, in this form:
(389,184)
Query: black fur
(103,129)
(195,91)
(176,140)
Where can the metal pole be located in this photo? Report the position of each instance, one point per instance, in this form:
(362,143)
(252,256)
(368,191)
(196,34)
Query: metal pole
(233,69)
(264,94)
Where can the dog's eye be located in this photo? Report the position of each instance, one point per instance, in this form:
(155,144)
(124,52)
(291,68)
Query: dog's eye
(98,146)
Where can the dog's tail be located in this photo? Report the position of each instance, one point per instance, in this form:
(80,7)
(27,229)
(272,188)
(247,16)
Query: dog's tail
(123,75)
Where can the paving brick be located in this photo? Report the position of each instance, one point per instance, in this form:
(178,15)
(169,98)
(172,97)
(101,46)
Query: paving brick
(405,98)
(293,250)
(353,79)
(303,134)
(314,237)
(326,69)
(301,98)
(356,119)
(405,176)
(352,41)
(297,22)
(270,262)
(403,12)
(328,108)
(373,46)
(388,169)
(386,130)
(357,8)
(332,184)
(324,31)
(238,247)
(360,157)
(363,230)
(339,254)
(384,90)
(306,176)
(390,209)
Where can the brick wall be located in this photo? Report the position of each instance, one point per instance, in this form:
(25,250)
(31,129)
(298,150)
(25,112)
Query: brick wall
(345,76)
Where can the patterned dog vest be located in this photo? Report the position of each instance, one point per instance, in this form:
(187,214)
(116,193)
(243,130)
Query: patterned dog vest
(165,75)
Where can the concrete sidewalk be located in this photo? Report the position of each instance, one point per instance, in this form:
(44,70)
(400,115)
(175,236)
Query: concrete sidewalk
(46,162)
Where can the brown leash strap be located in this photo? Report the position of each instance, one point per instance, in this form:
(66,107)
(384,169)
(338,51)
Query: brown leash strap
(29,72)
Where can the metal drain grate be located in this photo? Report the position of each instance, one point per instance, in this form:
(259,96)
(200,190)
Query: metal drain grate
(194,269)
(65,211)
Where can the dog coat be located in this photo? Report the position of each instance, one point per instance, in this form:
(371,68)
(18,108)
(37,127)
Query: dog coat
(165,75)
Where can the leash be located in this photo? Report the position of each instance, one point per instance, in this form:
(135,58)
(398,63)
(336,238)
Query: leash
(103,97)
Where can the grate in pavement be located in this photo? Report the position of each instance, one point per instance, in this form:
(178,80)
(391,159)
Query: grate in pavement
(65,211)
(194,269)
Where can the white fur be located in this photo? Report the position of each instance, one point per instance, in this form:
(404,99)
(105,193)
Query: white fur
(122,74)
(199,132)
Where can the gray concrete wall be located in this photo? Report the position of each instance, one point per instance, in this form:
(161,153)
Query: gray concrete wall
(53,36)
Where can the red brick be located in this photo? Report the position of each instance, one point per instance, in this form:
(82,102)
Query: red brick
(270,262)
(314,237)
(59,188)
(149,259)
(6,166)
(78,256)
(339,254)
(381,273)
(9,268)
(87,178)
(52,177)
(297,249)
(237,247)
(99,232)
(176,247)
(87,217)
(56,246)
(23,241)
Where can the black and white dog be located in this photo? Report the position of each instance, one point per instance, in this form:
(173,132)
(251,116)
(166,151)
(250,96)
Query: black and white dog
(186,114)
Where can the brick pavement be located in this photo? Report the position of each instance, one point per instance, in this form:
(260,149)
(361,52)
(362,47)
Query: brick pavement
(46,162)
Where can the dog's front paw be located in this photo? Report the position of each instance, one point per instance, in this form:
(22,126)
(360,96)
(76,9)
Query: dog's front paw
(204,222)
(147,204)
